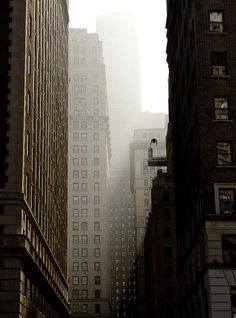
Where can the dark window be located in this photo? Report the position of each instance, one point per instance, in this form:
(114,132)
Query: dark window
(97,308)
(167,232)
(169,271)
(168,251)
(166,195)
(227,201)
(97,280)
(221,108)
(169,291)
(233,301)
(229,248)
(97,293)
(166,214)
(224,153)
(218,64)
(216,21)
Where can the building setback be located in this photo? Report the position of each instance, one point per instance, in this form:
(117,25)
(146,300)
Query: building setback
(33,159)
(201,55)
(89,156)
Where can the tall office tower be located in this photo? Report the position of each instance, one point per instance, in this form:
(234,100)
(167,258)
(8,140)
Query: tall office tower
(117,32)
(201,55)
(89,155)
(141,182)
(33,160)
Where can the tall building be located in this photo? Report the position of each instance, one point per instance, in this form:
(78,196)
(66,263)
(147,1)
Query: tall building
(201,55)
(33,159)
(89,156)
(141,182)
(117,32)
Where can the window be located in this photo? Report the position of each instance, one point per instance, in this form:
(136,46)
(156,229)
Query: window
(75,252)
(97,252)
(84,226)
(28,105)
(84,136)
(227,201)
(84,213)
(75,161)
(224,153)
(27,144)
(97,266)
(218,64)
(75,294)
(95,149)
(76,112)
(75,266)
(221,108)
(84,187)
(84,124)
(169,271)
(84,266)
(75,124)
(97,293)
(96,226)
(84,293)
(84,280)
(84,239)
(167,232)
(75,174)
(75,225)
(29,64)
(75,213)
(233,301)
(84,308)
(75,199)
(216,21)
(75,239)
(76,149)
(84,149)
(96,199)
(97,280)
(96,136)
(84,161)
(96,174)
(97,308)
(84,200)
(229,248)
(96,187)
(96,161)
(75,280)
(75,136)
(84,252)
(166,195)
(96,213)
(96,124)
(168,251)
(84,174)
(166,214)
(75,187)
(96,239)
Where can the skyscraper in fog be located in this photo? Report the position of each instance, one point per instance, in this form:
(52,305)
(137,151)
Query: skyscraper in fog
(33,159)
(89,156)
(121,57)
(201,55)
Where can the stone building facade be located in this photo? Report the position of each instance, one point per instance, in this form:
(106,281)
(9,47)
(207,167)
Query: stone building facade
(33,159)
(201,56)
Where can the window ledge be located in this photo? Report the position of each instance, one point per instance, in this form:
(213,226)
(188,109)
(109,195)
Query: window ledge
(222,120)
(216,33)
(227,167)
(220,76)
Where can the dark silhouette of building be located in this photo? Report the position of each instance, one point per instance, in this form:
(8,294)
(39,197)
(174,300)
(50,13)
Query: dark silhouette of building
(33,159)
(160,250)
(201,56)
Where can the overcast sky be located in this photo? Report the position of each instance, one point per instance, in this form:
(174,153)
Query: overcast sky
(150,16)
